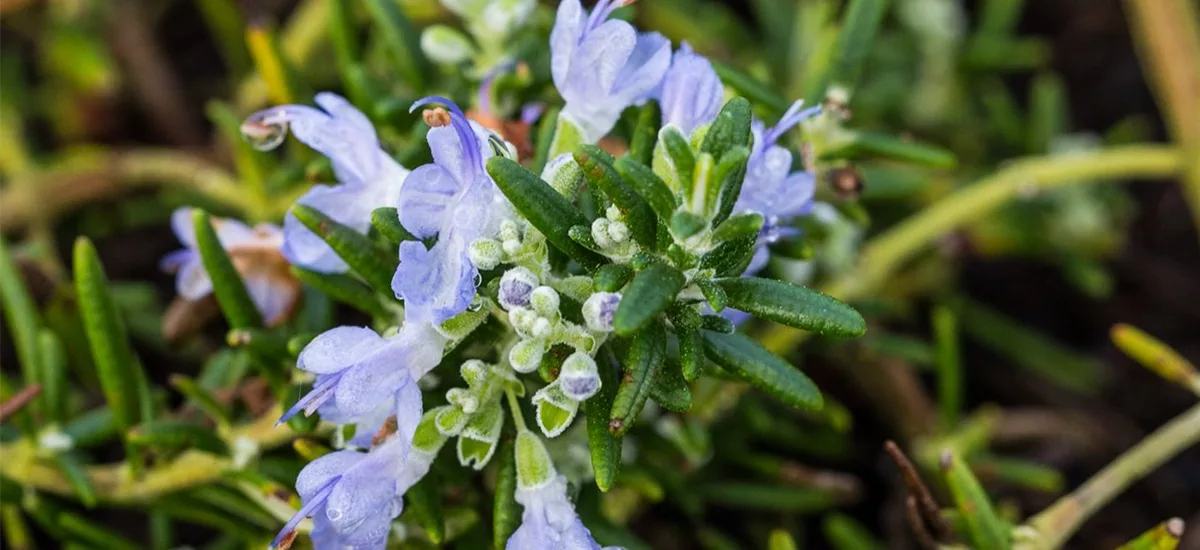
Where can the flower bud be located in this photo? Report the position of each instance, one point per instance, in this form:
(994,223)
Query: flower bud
(446,45)
(600,233)
(481,436)
(555,410)
(580,379)
(474,372)
(485,253)
(534,467)
(563,174)
(509,231)
(526,355)
(599,309)
(516,285)
(544,300)
(618,231)
(502,17)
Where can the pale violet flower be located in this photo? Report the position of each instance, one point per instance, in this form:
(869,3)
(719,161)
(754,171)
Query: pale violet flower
(691,93)
(360,372)
(369,178)
(549,521)
(255,253)
(454,199)
(602,66)
(770,187)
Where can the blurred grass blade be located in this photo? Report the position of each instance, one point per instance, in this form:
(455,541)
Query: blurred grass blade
(643,361)
(343,35)
(551,213)
(1164,536)
(949,365)
(506,512)
(781,540)
(844,533)
(283,85)
(603,446)
(984,527)
(225,23)
(863,144)
(1156,356)
(121,378)
(22,320)
(1017,472)
(177,434)
(73,468)
(227,283)
(792,305)
(202,398)
(54,379)
(251,165)
(401,40)
(648,294)
(750,88)
(1047,112)
(764,370)
(364,257)
(91,428)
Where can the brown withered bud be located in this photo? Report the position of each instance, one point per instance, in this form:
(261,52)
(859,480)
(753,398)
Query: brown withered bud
(388,428)
(846,182)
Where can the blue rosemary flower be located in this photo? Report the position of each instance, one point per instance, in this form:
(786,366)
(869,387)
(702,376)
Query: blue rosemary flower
(602,66)
(360,372)
(254,252)
(691,91)
(549,521)
(770,187)
(369,177)
(454,199)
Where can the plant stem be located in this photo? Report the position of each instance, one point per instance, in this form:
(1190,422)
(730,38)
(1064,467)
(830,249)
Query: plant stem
(518,417)
(112,483)
(1167,33)
(1054,525)
(885,254)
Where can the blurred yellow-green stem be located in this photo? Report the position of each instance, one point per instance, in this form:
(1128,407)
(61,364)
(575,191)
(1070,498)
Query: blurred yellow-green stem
(883,256)
(113,483)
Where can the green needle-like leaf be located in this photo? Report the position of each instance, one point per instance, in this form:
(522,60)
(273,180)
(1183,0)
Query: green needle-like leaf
(645,135)
(545,208)
(177,434)
(686,321)
(375,265)
(21,318)
(604,447)
(728,175)
(344,289)
(651,291)
(794,306)
(401,41)
(73,468)
(201,397)
(612,277)
(670,389)
(643,361)
(387,222)
(649,186)
(730,258)
(858,29)
(506,512)
(54,379)
(750,361)
(227,283)
(600,174)
(730,129)
(986,530)
(120,374)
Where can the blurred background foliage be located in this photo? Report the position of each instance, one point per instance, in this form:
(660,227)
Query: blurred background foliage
(994,343)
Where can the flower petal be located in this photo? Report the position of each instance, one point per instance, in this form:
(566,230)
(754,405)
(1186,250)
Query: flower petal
(338,349)
(564,39)
(408,411)
(644,69)
(436,284)
(691,91)
(321,471)
(191,281)
(428,194)
(349,206)
(373,380)
(273,293)
(339,135)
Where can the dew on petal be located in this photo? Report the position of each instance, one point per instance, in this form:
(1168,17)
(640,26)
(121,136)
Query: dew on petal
(333,514)
(264,136)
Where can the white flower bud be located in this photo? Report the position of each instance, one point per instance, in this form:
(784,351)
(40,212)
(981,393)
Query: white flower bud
(599,309)
(580,378)
(485,253)
(446,45)
(618,231)
(516,285)
(541,327)
(512,247)
(522,320)
(509,231)
(563,174)
(526,355)
(600,233)
(613,213)
(474,371)
(544,300)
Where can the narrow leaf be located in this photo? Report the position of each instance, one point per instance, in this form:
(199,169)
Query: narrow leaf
(686,321)
(227,283)
(986,530)
(506,512)
(650,292)
(643,361)
(401,41)
(368,260)
(22,319)
(344,289)
(747,86)
(730,129)
(645,134)
(612,277)
(714,294)
(73,468)
(545,208)
(670,389)
(728,175)
(387,222)
(1164,536)
(119,372)
(175,434)
(649,186)
(794,306)
(604,447)
(858,29)
(425,502)
(730,258)
(750,361)
(201,398)
(54,376)
(876,145)
(682,159)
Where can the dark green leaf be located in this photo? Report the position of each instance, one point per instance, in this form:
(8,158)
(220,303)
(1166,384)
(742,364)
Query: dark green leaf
(545,208)
(600,174)
(387,222)
(583,236)
(794,306)
(716,323)
(875,145)
(506,512)
(604,447)
(684,224)
(670,389)
(730,129)
(344,289)
(650,292)
(643,361)
(267,345)
(645,134)
(176,434)
(545,135)
(368,260)
(738,226)
(751,88)
(54,380)
(730,258)
(201,397)
(713,292)
(22,320)
(91,428)
(227,283)
(425,502)
(687,321)
(73,468)
(649,185)
(120,374)
(750,361)
(612,277)
(680,152)
(986,530)
(401,40)
(858,29)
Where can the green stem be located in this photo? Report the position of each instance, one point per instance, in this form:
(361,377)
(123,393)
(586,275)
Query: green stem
(518,417)
(1052,527)
(883,256)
